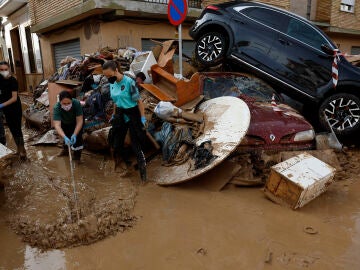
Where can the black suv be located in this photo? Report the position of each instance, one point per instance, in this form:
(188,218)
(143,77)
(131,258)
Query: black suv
(286,50)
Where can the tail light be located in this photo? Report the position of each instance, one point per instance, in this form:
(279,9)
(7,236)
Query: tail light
(212,7)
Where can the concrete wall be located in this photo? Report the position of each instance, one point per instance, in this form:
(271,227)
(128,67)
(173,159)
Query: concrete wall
(114,34)
(345,42)
(299,7)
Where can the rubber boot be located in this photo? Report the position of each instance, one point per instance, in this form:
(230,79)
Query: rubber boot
(21,151)
(142,170)
(77,155)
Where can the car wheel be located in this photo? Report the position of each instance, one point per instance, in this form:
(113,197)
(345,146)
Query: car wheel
(210,48)
(342,112)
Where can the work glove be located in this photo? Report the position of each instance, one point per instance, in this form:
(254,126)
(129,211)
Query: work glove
(1,106)
(73,139)
(143,121)
(67,141)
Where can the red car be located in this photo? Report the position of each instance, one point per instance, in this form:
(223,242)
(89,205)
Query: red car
(273,126)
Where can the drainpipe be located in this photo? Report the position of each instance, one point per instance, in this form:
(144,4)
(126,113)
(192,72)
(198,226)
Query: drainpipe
(308,10)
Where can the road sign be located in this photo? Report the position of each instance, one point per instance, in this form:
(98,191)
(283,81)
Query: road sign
(177,11)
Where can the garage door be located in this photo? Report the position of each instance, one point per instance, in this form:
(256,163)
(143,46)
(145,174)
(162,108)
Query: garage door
(188,46)
(64,49)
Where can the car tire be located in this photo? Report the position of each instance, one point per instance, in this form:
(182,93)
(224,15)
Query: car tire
(210,49)
(343,113)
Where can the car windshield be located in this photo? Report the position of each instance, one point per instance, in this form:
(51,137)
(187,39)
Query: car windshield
(236,86)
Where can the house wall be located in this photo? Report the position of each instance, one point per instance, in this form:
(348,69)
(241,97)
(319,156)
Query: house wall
(345,43)
(343,19)
(114,34)
(42,10)
(20,20)
(323,9)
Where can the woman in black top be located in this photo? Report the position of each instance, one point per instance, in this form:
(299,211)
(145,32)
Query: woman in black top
(10,104)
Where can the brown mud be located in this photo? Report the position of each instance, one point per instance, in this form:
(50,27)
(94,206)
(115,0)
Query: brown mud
(181,227)
(41,206)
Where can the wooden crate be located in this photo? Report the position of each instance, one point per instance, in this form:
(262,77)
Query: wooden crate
(298,180)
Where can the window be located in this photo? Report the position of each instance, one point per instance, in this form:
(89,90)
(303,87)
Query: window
(267,16)
(305,33)
(30,50)
(355,50)
(347,5)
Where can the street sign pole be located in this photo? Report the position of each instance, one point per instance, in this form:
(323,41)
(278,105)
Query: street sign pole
(177,11)
(180,50)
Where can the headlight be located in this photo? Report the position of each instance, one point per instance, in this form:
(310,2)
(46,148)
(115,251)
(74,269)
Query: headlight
(307,135)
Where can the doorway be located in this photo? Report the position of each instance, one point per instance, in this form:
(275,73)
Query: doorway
(18,60)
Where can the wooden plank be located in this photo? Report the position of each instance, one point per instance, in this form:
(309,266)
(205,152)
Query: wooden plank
(69,82)
(157,92)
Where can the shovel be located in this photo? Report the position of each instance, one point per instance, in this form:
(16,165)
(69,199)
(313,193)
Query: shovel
(332,139)
(73,183)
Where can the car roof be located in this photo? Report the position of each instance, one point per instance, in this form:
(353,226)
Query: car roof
(257,4)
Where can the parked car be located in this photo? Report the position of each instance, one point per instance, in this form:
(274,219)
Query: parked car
(279,128)
(288,52)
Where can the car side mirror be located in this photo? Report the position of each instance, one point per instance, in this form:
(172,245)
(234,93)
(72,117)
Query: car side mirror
(326,49)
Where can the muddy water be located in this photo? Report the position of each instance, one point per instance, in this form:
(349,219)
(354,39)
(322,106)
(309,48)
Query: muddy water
(41,207)
(190,227)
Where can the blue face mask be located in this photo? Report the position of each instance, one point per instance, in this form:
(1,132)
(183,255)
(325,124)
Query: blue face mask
(94,86)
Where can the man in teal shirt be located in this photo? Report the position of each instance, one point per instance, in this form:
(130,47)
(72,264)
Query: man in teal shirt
(129,114)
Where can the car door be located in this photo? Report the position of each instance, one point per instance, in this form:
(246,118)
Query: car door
(257,29)
(300,61)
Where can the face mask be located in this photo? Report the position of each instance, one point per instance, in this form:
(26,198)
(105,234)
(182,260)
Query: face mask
(112,79)
(66,107)
(5,73)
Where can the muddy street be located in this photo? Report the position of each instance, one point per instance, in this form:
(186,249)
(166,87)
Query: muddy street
(184,227)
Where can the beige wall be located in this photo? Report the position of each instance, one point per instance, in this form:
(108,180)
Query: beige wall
(129,34)
(345,42)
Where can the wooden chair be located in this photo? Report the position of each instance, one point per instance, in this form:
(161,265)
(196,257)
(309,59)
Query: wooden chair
(166,87)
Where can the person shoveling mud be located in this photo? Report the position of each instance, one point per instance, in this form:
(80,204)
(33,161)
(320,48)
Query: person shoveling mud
(68,122)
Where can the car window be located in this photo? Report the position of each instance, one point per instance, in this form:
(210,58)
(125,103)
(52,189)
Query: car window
(305,33)
(236,86)
(266,16)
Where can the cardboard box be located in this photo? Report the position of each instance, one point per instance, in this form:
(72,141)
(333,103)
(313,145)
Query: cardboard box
(298,180)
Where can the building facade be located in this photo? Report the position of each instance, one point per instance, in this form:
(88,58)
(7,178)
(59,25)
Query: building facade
(19,46)
(79,27)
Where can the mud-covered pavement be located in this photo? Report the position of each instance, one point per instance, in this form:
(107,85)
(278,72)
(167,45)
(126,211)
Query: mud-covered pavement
(190,226)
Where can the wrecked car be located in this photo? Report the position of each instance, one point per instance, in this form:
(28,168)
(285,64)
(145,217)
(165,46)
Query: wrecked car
(286,50)
(273,126)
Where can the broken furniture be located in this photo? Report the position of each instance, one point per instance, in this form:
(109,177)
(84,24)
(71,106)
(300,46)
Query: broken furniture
(143,63)
(166,87)
(298,180)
